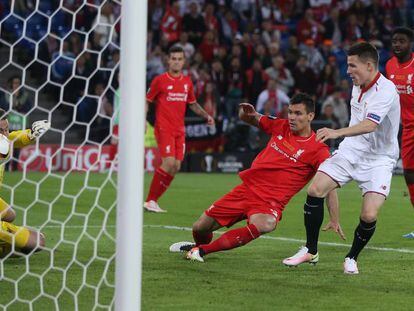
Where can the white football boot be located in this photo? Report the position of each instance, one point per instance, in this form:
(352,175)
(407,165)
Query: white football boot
(194,255)
(181,247)
(152,206)
(302,256)
(350,266)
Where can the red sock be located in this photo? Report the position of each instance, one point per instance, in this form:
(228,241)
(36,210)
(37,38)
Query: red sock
(202,237)
(411,190)
(232,239)
(160,182)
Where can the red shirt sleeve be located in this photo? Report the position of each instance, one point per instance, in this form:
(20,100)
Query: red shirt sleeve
(154,90)
(268,124)
(191,99)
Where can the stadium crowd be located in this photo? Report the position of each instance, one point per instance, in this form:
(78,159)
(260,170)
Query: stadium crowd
(259,51)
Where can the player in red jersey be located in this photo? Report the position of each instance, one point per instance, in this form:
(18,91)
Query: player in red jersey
(281,170)
(170,92)
(400,70)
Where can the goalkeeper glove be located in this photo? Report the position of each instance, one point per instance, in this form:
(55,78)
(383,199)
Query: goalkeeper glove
(39,128)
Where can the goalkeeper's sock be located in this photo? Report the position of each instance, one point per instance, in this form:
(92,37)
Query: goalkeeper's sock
(231,239)
(363,233)
(411,191)
(160,183)
(202,237)
(313,214)
(21,234)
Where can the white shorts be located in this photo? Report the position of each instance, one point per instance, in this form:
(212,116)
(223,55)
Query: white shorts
(371,175)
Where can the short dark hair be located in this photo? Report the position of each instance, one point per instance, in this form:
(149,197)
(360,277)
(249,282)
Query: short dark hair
(175,49)
(303,98)
(365,51)
(404,31)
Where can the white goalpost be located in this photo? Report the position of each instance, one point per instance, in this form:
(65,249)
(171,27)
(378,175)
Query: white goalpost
(131,156)
(63,58)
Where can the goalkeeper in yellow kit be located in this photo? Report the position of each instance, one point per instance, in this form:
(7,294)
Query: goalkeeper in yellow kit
(17,239)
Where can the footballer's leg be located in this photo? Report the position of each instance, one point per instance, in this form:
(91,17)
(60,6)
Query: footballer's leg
(6,212)
(25,239)
(409,179)
(203,230)
(365,229)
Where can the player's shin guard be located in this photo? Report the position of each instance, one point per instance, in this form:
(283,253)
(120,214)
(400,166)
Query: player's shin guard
(160,183)
(363,233)
(202,237)
(231,239)
(313,214)
(21,235)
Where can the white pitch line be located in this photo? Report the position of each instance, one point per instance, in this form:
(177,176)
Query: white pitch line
(382,249)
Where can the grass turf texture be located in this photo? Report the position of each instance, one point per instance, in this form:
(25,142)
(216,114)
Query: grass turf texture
(250,277)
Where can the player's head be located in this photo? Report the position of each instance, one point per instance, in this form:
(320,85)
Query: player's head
(301,112)
(176,59)
(4,124)
(401,44)
(362,63)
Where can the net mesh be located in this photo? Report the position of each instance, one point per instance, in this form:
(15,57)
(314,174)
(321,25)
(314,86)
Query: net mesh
(59,61)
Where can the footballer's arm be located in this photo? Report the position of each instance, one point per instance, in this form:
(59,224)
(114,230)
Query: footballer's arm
(364,127)
(332,204)
(248,114)
(198,110)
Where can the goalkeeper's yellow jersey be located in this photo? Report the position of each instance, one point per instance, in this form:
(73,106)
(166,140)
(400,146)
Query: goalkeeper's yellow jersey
(19,139)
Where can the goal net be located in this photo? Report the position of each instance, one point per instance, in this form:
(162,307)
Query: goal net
(59,61)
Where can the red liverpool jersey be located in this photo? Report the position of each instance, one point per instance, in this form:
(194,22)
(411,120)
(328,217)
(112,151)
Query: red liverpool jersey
(171,95)
(286,165)
(402,75)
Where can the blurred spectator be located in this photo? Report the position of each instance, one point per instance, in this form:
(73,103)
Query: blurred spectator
(305,78)
(269,34)
(281,74)
(171,23)
(315,59)
(329,80)
(210,19)
(234,89)
(339,107)
(18,102)
(218,77)
(229,26)
(292,53)
(208,48)
(273,96)
(155,14)
(334,27)
(386,30)
(353,31)
(256,80)
(155,63)
(210,100)
(193,24)
(63,63)
(103,30)
(261,55)
(309,28)
(328,115)
(187,46)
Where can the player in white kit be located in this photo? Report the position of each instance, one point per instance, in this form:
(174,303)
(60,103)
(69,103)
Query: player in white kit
(367,155)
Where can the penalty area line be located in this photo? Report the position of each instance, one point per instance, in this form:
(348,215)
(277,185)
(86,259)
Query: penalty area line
(381,249)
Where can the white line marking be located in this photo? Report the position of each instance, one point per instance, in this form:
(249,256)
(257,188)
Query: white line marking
(382,249)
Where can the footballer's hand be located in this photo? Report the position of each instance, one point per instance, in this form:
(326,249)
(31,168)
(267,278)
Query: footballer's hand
(325,133)
(39,128)
(336,227)
(210,120)
(247,109)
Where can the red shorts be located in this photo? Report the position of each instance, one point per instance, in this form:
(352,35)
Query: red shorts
(170,144)
(407,148)
(240,203)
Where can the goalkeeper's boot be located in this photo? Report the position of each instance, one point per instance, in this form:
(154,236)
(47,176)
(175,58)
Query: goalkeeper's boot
(152,206)
(181,247)
(409,235)
(302,256)
(350,266)
(194,255)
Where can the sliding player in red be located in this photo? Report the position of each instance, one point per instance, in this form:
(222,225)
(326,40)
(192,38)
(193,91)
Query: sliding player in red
(171,92)
(281,170)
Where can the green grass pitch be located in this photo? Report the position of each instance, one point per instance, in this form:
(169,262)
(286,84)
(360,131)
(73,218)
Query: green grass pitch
(77,214)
